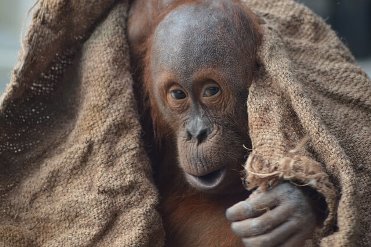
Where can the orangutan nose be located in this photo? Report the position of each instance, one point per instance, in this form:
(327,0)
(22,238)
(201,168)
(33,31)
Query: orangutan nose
(197,129)
(200,135)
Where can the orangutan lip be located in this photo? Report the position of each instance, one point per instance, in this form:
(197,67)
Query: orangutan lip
(211,177)
(208,181)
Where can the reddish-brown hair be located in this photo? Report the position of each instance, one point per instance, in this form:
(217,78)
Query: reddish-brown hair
(240,15)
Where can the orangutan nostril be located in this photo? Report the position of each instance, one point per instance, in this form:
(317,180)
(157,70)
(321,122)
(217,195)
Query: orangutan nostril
(202,135)
(189,135)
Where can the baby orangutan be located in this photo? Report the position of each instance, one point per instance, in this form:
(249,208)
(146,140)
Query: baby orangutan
(198,60)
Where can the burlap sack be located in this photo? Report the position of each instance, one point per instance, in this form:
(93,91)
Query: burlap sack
(73,170)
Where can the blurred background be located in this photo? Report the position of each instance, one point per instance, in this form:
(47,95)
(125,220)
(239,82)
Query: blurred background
(350,18)
(14,19)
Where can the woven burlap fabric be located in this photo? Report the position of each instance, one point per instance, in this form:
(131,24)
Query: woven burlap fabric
(73,170)
(310,118)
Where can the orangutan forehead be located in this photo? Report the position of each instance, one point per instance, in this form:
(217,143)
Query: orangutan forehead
(193,36)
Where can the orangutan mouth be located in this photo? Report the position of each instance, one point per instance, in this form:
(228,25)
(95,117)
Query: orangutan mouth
(208,181)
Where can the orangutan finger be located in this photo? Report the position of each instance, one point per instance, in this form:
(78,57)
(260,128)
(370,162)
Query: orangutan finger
(274,238)
(252,207)
(262,224)
(241,211)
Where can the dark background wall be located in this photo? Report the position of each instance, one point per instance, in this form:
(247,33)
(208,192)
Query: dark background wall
(351,19)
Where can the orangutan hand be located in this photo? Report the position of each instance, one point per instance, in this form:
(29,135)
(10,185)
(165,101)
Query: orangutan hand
(281,216)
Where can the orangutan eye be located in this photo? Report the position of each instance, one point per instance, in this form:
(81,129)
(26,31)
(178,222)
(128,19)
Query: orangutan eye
(211,91)
(178,94)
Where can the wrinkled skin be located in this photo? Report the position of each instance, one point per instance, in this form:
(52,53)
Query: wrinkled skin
(199,65)
(282,216)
